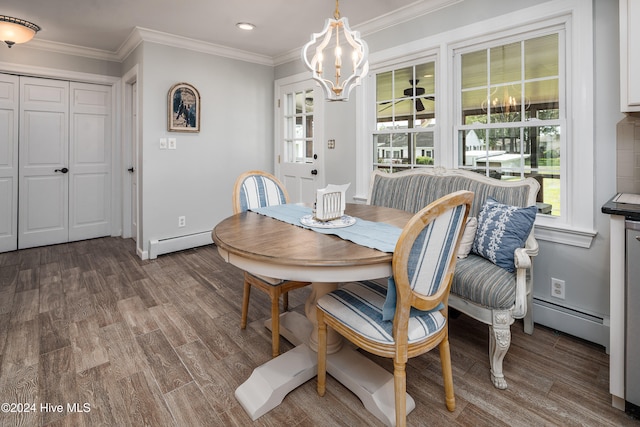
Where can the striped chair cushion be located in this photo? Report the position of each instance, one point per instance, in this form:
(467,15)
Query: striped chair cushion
(359,306)
(482,282)
(259,191)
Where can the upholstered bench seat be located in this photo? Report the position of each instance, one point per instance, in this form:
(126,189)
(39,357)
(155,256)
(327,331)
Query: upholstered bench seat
(484,283)
(495,294)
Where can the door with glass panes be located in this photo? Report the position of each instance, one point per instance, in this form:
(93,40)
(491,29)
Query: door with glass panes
(300,154)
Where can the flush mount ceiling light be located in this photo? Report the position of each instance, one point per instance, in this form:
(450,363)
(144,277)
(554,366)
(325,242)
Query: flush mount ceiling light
(335,87)
(245,26)
(15,30)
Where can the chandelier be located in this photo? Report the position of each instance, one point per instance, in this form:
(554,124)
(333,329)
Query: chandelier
(330,74)
(507,104)
(14,30)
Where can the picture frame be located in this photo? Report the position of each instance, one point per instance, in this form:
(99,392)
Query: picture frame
(183,107)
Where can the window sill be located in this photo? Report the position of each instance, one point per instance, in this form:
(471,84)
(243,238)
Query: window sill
(565,235)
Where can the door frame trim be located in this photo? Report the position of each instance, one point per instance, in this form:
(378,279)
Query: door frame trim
(128,79)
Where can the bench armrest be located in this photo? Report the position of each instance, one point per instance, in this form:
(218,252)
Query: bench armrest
(523,265)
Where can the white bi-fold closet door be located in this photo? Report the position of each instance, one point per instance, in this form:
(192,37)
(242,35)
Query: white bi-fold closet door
(55,163)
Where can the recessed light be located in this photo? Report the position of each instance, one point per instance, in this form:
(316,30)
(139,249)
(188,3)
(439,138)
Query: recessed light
(245,26)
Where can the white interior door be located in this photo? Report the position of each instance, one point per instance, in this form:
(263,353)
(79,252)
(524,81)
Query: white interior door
(298,135)
(89,161)
(64,156)
(9,107)
(43,178)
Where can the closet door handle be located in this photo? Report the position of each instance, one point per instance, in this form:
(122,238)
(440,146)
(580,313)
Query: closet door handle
(63,170)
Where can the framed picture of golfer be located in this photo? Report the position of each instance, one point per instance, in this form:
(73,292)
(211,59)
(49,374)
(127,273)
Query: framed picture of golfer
(184,108)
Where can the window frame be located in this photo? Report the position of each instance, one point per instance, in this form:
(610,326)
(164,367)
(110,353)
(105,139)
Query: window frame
(432,129)
(576,226)
(521,125)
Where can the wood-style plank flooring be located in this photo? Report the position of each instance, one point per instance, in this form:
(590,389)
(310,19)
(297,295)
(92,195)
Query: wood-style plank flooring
(158,343)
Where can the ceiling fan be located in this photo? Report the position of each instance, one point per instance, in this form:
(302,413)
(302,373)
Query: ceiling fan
(408,92)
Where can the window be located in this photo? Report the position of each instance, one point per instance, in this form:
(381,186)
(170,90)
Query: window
(510,122)
(521,83)
(405,118)
(298,116)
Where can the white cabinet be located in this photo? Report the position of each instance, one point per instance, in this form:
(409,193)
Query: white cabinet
(629,55)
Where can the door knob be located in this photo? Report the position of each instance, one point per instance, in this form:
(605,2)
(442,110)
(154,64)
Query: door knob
(131,169)
(63,170)
(314,172)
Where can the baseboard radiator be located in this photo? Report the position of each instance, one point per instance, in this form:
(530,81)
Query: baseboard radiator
(178,243)
(573,322)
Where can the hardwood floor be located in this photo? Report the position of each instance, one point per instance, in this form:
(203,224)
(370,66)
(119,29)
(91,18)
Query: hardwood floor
(158,343)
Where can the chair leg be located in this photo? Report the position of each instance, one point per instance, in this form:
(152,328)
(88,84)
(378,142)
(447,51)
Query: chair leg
(499,342)
(447,374)
(245,304)
(322,353)
(275,324)
(285,301)
(400,388)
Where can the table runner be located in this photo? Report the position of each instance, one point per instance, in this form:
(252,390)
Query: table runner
(376,235)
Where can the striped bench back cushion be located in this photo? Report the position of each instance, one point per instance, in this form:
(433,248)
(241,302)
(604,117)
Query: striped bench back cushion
(413,192)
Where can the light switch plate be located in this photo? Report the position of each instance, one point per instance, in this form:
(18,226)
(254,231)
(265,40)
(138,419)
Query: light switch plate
(163,143)
(172,143)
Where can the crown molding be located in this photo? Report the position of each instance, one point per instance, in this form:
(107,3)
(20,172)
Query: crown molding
(166,39)
(69,49)
(139,34)
(398,16)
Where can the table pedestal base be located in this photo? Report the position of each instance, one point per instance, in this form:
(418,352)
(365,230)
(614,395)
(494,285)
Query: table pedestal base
(271,382)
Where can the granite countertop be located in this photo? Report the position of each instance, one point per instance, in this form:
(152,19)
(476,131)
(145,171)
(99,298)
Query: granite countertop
(630,211)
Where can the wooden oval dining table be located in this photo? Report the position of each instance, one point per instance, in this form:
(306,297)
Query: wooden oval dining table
(266,246)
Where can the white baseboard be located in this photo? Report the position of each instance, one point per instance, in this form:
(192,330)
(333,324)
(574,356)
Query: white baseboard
(572,322)
(178,243)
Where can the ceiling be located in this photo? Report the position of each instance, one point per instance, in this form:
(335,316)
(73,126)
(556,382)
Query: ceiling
(281,25)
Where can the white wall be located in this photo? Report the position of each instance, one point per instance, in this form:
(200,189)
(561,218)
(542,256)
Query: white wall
(196,179)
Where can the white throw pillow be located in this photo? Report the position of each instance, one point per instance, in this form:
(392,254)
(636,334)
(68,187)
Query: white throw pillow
(467,237)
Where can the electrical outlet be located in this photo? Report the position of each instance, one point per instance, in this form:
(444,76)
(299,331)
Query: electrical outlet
(557,288)
(172,143)
(182,221)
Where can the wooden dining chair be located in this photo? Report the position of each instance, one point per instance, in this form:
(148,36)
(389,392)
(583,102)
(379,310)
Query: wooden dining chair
(409,317)
(254,189)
